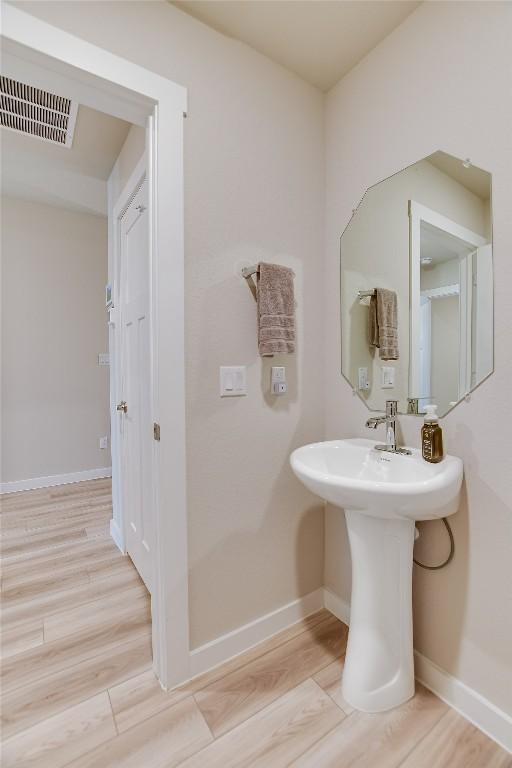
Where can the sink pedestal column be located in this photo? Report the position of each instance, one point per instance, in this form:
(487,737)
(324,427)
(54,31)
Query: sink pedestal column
(379,663)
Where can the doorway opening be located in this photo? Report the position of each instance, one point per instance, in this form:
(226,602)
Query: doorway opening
(144,294)
(451,308)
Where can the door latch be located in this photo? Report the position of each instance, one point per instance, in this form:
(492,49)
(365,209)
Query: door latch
(156,431)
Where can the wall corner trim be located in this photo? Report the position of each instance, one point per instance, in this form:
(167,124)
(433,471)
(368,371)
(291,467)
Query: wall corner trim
(233,643)
(467,702)
(34,483)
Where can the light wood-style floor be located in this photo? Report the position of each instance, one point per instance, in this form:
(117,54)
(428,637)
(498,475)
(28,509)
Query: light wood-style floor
(78,689)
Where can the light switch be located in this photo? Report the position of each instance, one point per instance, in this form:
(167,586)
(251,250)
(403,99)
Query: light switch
(387,377)
(103,358)
(233,380)
(278,373)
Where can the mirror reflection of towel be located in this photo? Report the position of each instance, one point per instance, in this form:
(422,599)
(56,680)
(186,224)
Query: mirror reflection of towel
(383,323)
(373,326)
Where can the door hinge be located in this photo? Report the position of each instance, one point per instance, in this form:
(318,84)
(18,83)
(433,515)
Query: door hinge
(156,431)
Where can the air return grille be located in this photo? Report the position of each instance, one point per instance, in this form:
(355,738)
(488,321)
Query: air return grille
(36,112)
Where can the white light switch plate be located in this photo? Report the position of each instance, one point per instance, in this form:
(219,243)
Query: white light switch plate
(278,373)
(103,358)
(387,377)
(233,380)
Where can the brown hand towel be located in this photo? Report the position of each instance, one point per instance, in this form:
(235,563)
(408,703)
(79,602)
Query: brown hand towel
(387,321)
(276,310)
(373,326)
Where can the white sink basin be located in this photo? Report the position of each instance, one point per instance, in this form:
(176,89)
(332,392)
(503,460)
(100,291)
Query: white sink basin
(382,495)
(351,474)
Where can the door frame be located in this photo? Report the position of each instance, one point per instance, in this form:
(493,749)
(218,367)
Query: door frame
(418,213)
(98,78)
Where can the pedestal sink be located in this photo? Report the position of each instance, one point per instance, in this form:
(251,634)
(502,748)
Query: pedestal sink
(383,494)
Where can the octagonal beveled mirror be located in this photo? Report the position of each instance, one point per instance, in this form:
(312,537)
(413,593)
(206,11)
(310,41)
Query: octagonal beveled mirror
(416,273)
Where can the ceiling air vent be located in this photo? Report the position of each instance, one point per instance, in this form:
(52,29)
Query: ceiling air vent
(35,112)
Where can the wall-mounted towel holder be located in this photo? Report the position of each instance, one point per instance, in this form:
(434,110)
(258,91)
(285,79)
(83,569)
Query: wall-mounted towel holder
(250,271)
(365,294)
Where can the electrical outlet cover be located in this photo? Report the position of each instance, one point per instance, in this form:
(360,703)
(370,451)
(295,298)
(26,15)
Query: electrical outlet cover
(363,381)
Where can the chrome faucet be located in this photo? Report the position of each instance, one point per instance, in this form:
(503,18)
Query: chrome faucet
(390,421)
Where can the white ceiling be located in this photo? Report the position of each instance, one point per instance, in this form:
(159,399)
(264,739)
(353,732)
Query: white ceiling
(319,40)
(72,177)
(441,246)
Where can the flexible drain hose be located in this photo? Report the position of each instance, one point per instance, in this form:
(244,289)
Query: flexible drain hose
(450,556)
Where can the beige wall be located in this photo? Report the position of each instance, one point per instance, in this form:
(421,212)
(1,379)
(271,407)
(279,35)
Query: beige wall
(441,274)
(445,352)
(131,152)
(254,190)
(54,394)
(440,81)
(444,334)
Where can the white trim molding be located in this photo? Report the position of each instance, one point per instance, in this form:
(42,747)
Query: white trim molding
(243,638)
(117,536)
(33,483)
(444,292)
(467,702)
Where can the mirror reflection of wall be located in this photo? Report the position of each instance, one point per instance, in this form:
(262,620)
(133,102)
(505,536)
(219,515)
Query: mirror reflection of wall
(424,233)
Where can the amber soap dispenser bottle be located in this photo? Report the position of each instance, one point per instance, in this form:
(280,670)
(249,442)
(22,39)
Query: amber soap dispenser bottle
(431,436)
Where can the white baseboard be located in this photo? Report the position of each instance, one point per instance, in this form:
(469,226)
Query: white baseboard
(116,535)
(469,703)
(46,482)
(240,640)
(480,711)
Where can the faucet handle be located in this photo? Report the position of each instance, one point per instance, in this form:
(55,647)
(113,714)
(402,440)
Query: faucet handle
(391,407)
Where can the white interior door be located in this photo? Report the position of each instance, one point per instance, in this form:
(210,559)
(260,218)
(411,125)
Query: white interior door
(136,428)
